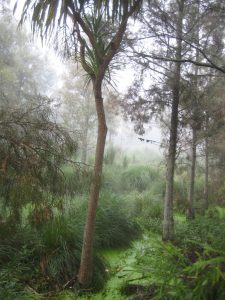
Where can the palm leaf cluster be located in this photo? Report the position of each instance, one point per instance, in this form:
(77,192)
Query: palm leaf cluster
(50,13)
(86,26)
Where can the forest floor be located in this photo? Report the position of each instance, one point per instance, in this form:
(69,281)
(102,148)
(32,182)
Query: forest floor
(122,270)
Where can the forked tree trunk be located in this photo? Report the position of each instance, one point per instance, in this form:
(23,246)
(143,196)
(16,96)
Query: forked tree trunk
(86,264)
(168,228)
(190,210)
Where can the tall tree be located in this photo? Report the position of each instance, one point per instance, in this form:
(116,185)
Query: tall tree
(168,230)
(161,24)
(97,48)
(29,138)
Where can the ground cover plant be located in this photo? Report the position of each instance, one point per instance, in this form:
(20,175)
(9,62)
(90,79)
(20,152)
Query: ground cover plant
(190,267)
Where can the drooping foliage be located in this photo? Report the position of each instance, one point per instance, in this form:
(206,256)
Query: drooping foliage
(33,145)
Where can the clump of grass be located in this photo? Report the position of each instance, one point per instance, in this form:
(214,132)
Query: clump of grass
(146,209)
(114,228)
(139,177)
(46,260)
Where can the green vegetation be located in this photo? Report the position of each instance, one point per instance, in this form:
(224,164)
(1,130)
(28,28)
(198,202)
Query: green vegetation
(39,260)
(155,225)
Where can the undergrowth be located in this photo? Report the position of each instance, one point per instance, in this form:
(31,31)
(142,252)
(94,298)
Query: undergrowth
(190,268)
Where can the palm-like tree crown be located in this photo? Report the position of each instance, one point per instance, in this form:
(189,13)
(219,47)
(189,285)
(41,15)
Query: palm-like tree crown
(50,13)
(87,21)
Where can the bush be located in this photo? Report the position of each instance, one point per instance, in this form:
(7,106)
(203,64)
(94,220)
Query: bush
(77,181)
(202,230)
(147,209)
(193,267)
(181,186)
(175,276)
(139,178)
(111,181)
(114,227)
(46,260)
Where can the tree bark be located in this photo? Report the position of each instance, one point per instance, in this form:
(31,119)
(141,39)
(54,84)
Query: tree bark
(86,265)
(190,210)
(195,120)
(206,183)
(168,223)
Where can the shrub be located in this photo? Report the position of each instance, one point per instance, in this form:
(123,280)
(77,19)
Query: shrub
(202,230)
(147,209)
(174,276)
(139,178)
(77,181)
(111,181)
(114,227)
(191,268)
(46,260)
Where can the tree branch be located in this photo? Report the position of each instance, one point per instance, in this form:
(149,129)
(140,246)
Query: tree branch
(116,41)
(196,63)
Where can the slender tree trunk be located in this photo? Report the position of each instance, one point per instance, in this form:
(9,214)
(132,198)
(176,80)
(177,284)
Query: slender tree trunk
(206,183)
(190,210)
(86,265)
(195,114)
(168,228)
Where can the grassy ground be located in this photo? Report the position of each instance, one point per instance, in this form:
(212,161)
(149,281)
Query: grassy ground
(123,270)
(120,271)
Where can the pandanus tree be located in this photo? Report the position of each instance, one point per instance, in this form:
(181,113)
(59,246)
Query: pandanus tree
(97,29)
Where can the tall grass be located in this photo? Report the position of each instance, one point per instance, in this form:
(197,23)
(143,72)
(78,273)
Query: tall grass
(46,260)
(181,189)
(133,178)
(114,227)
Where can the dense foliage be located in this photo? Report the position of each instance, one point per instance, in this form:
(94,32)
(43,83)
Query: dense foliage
(47,157)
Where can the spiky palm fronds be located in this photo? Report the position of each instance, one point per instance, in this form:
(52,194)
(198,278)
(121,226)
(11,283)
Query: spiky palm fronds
(51,13)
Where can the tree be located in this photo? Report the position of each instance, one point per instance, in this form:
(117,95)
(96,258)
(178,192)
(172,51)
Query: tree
(161,24)
(33,146)
(97,48)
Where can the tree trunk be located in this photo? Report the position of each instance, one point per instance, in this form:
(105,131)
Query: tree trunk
(190,210)
(86,265)
(195,117)
(168,228)
(206,183)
